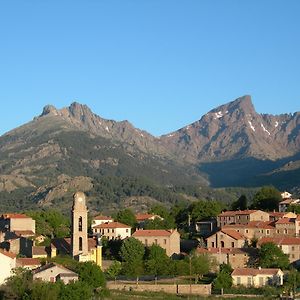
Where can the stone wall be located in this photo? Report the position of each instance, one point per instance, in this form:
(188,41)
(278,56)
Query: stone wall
(195,289)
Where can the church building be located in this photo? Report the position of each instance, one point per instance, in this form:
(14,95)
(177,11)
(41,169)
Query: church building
(80,246)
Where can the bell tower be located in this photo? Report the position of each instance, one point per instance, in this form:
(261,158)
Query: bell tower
(79,225)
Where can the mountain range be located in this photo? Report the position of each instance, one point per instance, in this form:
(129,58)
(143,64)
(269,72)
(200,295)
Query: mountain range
(232,145)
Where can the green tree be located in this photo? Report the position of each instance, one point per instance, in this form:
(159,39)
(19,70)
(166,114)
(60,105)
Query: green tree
(126,216)
(292,281)
(78,290)
(91,274)
(45,290)
(18,285)
(223,279)
(132,254)
(240,204)
(267,198)
(157,261)
(271,256)
(203,209)
(114,270)
(200,265)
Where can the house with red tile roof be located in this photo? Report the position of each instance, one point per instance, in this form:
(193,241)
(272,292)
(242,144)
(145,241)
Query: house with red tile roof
(241,217)
(254,229)
(289,245)
(236,257)
(7,263)
(113,230)
(226,238)
(100,219)
(17,222)
(167,239)
(257,277)
(28,263)
(141,218)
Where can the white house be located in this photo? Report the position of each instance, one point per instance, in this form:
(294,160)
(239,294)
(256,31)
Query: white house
(7,264)
(98,220)
(113,230)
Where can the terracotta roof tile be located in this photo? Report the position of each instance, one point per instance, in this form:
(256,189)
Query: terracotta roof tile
(15,216)
(153,232)
(39,250)
(253,272)
(280,240)
(101,217)
(286,221)
(232,233)
(112,225)
(7,253)
(22,262)
(143,217)
(236,212)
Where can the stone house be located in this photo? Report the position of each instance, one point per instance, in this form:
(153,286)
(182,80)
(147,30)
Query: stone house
(288,245)
(257,277)
(141,218)
(241,217)
(254,229)
(236,257)
(167,239)
(226,238)
(276,215)
(52,272)
(113,230)
(286,227)
(7,263)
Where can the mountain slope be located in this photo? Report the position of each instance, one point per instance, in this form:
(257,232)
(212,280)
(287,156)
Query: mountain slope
(234,131)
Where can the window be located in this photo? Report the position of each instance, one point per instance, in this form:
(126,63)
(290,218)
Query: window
(238,280)
(249,281)
(232,244)
(293,248)
(268,231)
(80,224)
(222,244)
(112,230)
(212,244)
(246,230)
(285,231)
(155,241)
(126,230)
(107,230)
(165,241)
(80,244)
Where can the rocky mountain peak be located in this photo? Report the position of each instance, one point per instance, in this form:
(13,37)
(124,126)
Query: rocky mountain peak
(49,109)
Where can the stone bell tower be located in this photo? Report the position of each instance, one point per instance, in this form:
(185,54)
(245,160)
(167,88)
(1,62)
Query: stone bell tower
(79,225)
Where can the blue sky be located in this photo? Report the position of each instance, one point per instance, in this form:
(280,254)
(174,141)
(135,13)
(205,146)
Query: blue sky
(161,64)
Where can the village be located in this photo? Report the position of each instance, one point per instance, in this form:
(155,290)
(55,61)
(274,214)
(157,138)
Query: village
(250,248)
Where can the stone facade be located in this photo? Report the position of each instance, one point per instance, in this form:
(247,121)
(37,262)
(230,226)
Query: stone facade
(181,289)
(79,225)
(167,239)
(226,238)
(241,217)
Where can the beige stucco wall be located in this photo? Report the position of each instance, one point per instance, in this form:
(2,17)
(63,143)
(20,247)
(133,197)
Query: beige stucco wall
(22,224)
(50,274)
(114,233)
(258,280)
(6,266)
